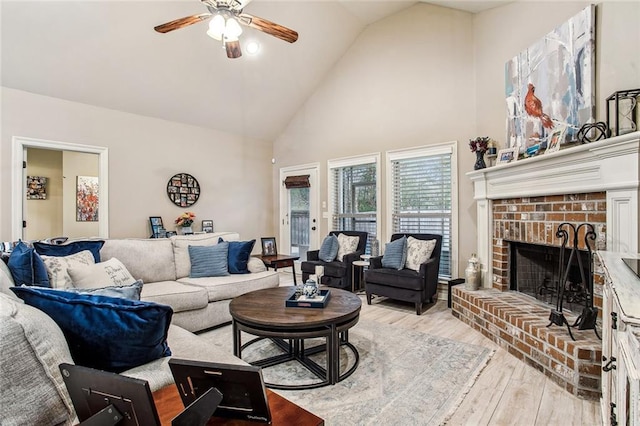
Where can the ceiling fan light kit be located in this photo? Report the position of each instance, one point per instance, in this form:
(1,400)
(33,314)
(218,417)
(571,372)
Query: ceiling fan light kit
(226,17)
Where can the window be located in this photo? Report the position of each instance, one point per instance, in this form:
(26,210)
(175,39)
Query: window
(423,194)
(353,184)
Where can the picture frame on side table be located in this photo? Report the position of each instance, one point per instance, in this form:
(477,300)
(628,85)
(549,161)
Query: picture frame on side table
(555,139)
(157,228)
(207,226)
(507,155)
(269,247)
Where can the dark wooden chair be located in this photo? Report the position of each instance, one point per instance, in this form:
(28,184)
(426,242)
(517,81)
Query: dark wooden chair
(336,274)
(405,284)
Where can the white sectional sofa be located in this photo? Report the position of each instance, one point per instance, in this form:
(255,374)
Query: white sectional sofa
(164,266)
(32,345)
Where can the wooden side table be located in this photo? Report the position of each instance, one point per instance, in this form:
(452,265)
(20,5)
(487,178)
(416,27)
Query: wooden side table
(361,265)
(279,261)
(283,411)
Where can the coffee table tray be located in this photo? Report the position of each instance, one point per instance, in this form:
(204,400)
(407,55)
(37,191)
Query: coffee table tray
(319,301)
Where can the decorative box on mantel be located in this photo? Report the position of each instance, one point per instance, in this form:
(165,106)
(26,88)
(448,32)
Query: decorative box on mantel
(610,166)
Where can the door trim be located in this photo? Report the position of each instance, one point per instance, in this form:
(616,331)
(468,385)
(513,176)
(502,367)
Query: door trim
(315,168)
(19,144)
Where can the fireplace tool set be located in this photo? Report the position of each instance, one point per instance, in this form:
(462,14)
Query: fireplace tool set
(587,319)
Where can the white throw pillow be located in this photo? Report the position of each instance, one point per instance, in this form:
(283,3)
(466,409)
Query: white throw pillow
(104,274)
(346,245)
(255,265)
(418,252)
(58,266)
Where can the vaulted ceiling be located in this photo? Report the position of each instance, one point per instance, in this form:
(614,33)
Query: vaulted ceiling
(106,53)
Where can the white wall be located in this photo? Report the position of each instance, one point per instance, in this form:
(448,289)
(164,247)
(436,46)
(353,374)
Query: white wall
(407,81)
(234,173)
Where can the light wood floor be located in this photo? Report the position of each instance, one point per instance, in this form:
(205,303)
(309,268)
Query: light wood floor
(507,392)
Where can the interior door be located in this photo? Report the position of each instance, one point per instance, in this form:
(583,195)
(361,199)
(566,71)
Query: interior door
(299,213)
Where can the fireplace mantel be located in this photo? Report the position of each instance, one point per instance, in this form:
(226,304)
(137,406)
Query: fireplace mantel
(610,165)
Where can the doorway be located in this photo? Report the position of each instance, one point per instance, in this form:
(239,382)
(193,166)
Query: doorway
(20,146)
(299,213)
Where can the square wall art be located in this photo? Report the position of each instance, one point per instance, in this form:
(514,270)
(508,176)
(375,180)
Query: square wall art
(551,84)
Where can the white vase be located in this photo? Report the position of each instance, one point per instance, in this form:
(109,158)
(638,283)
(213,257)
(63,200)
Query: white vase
(472,273)
(185,230)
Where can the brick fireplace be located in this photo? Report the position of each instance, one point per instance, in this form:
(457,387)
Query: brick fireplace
(524,202)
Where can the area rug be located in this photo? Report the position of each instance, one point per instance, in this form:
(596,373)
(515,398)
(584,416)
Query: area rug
(404,376)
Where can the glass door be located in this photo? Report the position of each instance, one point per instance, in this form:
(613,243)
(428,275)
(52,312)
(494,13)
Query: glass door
(299,212)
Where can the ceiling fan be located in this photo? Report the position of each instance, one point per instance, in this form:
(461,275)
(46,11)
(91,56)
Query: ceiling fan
(224,26)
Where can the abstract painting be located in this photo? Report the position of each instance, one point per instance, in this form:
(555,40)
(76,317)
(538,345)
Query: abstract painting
(87,197)
(551,84)
(36,188)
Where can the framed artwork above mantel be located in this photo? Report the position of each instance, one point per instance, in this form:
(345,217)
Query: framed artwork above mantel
(183,190)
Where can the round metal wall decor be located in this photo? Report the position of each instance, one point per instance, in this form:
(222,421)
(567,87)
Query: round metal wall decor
(183,190)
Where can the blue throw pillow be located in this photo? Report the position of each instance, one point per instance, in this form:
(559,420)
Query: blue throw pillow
(107,333)
(71,248)
(238,256)
(395,254)
(209,261)
(328,249)
(131,291)
(27,267)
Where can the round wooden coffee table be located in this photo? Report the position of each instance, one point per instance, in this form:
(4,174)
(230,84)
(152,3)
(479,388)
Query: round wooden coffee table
(263,313)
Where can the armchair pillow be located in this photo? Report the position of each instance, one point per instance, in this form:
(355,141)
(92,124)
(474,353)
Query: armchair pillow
(104,274)
(395,254)
(58,267)
(346,245)
(329,248)
(27,267)
(107,333)
(209,261)
(418,252)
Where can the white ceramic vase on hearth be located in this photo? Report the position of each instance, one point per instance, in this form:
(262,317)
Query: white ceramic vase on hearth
(472,274)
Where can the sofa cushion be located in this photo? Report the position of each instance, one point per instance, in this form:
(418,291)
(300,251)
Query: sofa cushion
(27,267)
(405,278)
(418,252)
(149,260)
(58,267)
(395,254)
(107,333)
(6,280)
(329,248)
(104,274)
(346,245)
(222,288)
(181,245)
(32,346)
(179,296)
(93,246)
(209,261)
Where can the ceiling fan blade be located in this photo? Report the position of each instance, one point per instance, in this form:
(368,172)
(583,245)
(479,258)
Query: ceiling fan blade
(233,49)
(269,27)
(182,22)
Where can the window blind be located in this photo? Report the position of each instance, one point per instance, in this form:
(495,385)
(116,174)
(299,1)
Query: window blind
(421,199)
(354,203)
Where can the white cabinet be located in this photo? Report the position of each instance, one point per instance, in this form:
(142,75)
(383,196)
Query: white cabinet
(620,341)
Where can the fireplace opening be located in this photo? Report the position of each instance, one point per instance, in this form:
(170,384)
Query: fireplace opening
(533,270)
